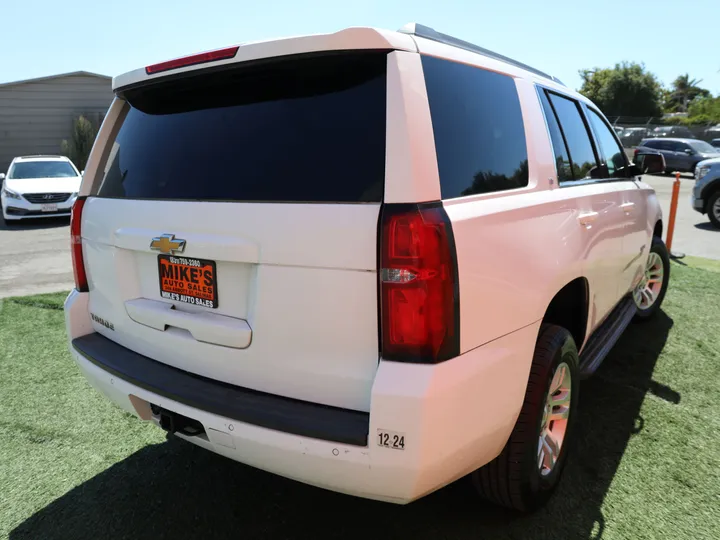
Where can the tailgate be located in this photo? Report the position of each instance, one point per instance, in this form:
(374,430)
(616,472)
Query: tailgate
(232,232)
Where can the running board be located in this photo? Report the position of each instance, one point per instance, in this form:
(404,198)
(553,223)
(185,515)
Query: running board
(605,337)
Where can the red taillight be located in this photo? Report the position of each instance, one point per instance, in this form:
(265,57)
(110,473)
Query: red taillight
(418,284)
(635,154)
(202,58)
(81,283)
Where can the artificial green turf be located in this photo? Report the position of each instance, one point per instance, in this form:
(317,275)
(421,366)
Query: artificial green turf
(644,465)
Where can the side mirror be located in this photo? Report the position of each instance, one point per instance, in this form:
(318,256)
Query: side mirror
(2,176)
(649,164)
(82,172)
(690,151)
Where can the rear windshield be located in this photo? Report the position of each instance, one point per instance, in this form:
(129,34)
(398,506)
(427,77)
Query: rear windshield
(307,130)
(42,169)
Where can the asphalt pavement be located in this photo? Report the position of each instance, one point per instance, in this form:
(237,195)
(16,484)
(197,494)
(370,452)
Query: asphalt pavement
(35,255)
(694,235)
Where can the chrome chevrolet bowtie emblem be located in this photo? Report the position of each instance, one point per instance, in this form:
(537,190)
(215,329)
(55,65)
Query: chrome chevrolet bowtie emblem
(167,243)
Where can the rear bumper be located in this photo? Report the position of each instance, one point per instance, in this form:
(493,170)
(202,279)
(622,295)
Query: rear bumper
(240,404)
(455,416)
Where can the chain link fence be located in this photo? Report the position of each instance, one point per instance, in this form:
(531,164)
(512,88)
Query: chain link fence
(631,130)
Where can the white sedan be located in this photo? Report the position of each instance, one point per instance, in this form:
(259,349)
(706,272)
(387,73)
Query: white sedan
(39,186)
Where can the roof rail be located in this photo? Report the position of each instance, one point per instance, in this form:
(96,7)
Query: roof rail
(426,32)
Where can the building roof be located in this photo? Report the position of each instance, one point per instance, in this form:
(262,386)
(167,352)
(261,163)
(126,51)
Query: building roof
(72,73)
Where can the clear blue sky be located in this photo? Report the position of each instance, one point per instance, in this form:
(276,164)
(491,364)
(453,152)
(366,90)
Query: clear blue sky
(46,37)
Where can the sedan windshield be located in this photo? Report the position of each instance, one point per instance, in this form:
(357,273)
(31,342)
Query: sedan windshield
(703,147)
(42,169)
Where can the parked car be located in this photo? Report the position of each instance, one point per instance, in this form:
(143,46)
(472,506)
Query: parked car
(411,294)
(680,154)
(672,131)
(706,192)
(713,132)
(632,136)
(715,143)
(38,187)
(619,130)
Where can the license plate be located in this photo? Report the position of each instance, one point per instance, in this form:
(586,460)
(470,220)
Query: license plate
(193,281)
(48,207)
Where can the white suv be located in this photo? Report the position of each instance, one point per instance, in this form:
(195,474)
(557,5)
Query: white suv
(38,186)
(372,261)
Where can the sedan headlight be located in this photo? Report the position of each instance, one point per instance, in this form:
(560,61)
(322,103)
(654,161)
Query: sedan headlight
(10,194)
(701,171)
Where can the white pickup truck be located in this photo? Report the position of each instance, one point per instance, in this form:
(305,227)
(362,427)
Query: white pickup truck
(371,261)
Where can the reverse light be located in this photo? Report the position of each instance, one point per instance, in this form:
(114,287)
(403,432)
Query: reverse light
(81,283)
(202,58)
(419,294)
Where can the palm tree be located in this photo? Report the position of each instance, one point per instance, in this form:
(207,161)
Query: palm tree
(685,89)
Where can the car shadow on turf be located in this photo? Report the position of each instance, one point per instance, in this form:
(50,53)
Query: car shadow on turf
(176,490)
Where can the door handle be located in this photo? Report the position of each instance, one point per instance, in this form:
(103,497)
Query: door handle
(203,326)
(627,207)
(587,218)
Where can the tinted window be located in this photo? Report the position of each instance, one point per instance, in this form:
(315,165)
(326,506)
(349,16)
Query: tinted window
(478,128)
(672,146)
(581,151)
(651,144)
(562,160)
(310,129)
(42,169)
(612,152)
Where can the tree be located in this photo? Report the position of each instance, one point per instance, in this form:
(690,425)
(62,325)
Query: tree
(80,143)
(705,110)
(684,90)
(625,90)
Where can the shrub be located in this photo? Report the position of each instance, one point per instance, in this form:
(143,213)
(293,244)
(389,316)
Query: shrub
(80,143)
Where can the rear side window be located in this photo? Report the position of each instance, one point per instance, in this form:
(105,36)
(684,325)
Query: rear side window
(580,148)
(309,129)
(613,154)
(562,159)
(478,128)
(650,144)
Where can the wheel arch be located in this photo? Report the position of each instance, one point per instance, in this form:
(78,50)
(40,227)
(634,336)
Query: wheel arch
(569,308)
(658,230)
(708,190)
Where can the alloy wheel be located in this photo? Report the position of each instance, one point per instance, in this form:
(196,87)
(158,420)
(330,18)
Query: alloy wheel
(555,419)
(648,290)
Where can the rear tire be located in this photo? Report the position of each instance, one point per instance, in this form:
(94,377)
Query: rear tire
(658,254)
(516,479)
(713,209)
